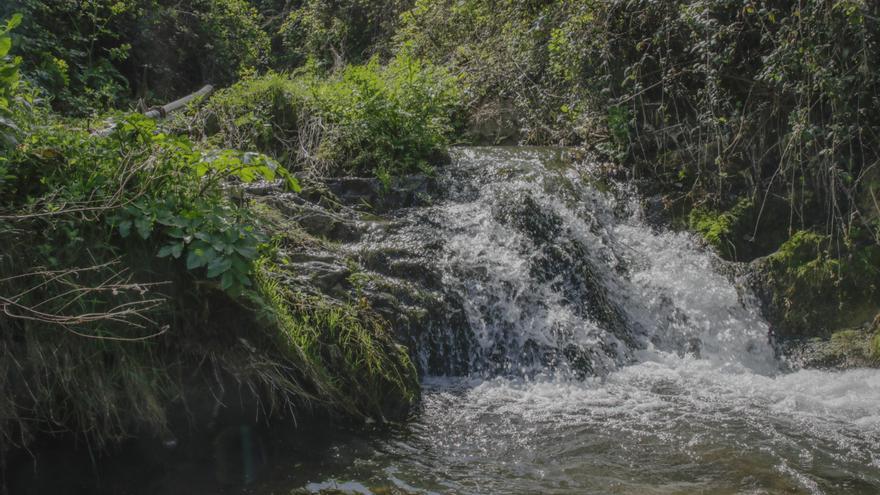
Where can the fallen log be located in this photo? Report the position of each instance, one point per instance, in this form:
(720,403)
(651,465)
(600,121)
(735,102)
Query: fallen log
(161,112)
(164,110)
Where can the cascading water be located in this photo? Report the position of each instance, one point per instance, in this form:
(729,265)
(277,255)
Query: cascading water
(554,277)
(598,355)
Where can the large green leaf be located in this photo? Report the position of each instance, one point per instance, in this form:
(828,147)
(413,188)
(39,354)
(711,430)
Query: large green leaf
(125,228)
(200,254)
(218,266)
(13,21)
(144,226)
(5,45)
(174,250)
(227,280)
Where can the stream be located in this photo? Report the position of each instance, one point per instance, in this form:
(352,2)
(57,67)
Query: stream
(600,355)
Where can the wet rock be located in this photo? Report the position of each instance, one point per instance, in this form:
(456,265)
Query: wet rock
(495,122)
(370,194)
(656,213)
(566,264)
(845,349)
(325,224)
(263,188)
(329,278)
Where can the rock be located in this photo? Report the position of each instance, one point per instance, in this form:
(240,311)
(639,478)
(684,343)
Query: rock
(370,194)
(329,278)
(495,122)
(318,221)
(845,349)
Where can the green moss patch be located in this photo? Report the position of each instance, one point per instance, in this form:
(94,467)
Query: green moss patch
(818,290)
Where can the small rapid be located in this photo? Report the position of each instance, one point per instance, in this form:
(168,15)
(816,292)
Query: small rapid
(598,354)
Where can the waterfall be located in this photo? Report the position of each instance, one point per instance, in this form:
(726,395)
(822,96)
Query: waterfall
(553,276)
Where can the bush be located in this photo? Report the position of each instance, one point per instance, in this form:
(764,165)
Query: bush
(761,99)
(384,120)
(9,81)
(333,33)
(501,50)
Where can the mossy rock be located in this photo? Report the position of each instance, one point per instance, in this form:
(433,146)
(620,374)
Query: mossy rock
(811,290)
(854,348)
(744,231)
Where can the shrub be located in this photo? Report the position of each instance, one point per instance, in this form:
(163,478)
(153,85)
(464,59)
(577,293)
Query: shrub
(385,120)
(9,80)
(762,99)
(129,262)
(500,48)
(139,181)
(333,33)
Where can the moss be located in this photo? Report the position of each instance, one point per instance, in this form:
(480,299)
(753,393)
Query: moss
(724,230)
(818,289)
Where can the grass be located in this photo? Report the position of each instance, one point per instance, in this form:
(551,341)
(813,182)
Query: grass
(347,352)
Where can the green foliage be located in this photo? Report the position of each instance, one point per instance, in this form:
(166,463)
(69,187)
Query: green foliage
(69,49)
(762,99)
(391,120)
(131,260)
(501,50)
(9,80)
(333,32)
(385,120)
(712,99)
(233,30)
(8,65)
(722,230)
(619,122)
(875,346)
(96,55)
(145,182)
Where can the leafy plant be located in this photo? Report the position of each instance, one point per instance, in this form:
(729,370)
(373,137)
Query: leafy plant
(9,76)
(93,55)
(332,33)
(189,215)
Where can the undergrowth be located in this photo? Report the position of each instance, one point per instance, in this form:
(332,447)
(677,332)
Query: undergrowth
(134,273)
(367,119)
(353,361)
